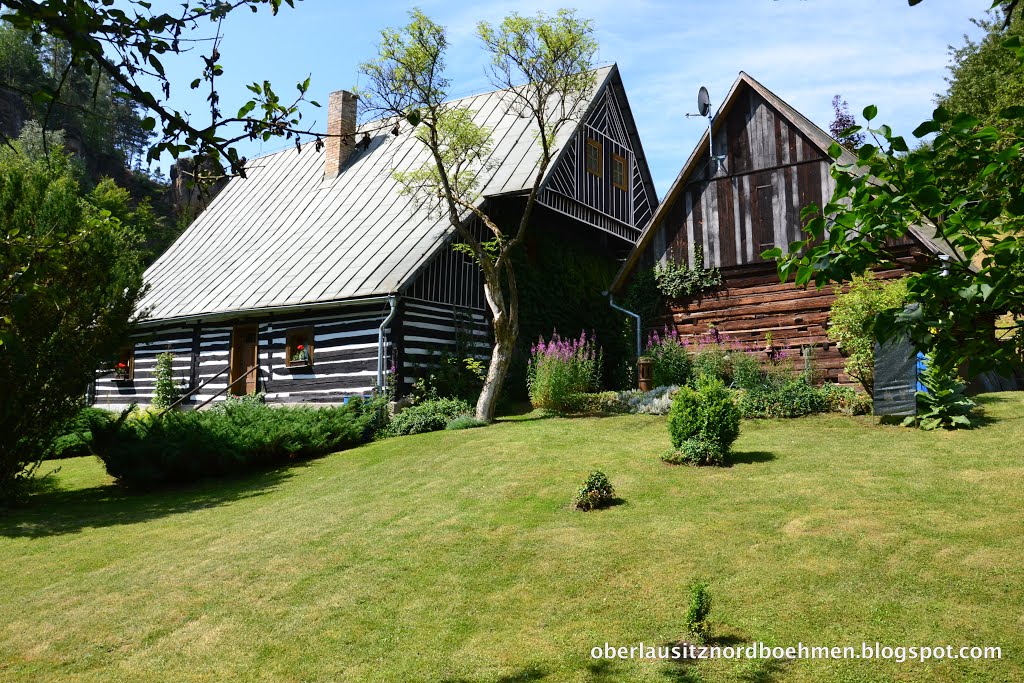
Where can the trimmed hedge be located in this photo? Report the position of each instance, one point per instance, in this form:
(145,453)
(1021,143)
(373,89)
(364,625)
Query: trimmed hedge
(233,438)
(703,424)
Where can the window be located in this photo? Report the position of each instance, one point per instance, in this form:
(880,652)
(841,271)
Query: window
(124,368)
(593,157)
(298,351)
(619,175)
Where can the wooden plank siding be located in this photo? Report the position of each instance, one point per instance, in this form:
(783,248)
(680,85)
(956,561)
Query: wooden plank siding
(752,302)
(775,165)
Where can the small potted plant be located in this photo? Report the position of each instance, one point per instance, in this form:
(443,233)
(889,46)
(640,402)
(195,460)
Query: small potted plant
(121,371)
(300,356)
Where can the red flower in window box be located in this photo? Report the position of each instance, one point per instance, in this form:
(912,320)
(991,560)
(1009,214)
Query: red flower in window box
(300,355)
(121,370)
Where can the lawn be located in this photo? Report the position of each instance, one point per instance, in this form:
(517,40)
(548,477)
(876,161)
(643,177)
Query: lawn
(454,557)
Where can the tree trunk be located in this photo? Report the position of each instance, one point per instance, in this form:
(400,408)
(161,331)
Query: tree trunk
(506,330)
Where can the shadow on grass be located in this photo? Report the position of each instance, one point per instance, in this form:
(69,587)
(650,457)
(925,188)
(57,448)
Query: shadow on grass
(524,675)
(750,457)
(52,511)
(683,669)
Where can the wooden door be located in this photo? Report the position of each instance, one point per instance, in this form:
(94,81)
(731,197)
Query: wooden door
(244,359)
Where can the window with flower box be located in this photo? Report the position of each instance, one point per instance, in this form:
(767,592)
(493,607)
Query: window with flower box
(124,367)
(298,352)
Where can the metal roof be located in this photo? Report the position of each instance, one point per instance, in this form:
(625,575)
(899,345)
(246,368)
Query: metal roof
(285,236)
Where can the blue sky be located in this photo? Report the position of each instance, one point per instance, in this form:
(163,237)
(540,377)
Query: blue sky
(879,52)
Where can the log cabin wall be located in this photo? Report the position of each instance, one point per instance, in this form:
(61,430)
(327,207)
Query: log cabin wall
(344,344)
(752,302)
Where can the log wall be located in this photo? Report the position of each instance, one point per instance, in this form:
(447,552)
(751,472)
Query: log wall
(752,302)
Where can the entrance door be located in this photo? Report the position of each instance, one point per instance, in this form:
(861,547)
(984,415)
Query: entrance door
(244,358)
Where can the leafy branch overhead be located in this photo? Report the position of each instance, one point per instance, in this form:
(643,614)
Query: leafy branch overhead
(963,194)
(130,42)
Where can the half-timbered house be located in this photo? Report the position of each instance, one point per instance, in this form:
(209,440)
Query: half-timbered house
(315,277)
(772,162)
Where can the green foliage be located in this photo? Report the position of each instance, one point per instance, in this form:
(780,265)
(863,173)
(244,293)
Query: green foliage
(778,397)
(709,415)
(983,76)
(451,377)
(852,322)
(677,280)
(429,416)
(70,276)
(167,390)
(596,492)
(94,47)
(965,187)
(698,614)
(562,370)
(943,405)
(670,361)
(697,451)
(464,422)
(239,436)
(712,361)
(74,438)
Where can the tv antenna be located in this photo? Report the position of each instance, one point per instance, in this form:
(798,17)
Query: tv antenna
(704,111)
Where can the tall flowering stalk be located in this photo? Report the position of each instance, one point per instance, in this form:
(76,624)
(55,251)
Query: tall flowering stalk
(560,370)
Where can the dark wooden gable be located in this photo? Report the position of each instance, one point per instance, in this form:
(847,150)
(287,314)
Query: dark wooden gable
(752,200)
(620,208)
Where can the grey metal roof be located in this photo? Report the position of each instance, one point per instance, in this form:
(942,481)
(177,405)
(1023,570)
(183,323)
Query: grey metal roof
(285,236)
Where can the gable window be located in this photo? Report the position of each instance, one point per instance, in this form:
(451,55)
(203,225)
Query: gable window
(619,175)
(124,367)
(298,350)
(593,157)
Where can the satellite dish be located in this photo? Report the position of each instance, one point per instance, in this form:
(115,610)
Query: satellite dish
(703,101)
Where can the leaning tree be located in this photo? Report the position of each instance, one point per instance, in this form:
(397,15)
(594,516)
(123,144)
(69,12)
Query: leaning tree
(544,64)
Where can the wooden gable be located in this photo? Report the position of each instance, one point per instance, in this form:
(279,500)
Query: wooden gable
(751,200)
(602,178)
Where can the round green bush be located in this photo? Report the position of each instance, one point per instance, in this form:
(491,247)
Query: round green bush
(707,414)
(428,416)
(596,492)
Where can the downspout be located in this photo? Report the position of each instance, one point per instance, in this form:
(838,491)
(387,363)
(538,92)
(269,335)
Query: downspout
(635,316)
(392,302)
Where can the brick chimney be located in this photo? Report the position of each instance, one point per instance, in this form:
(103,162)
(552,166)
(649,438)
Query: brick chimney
(341,129)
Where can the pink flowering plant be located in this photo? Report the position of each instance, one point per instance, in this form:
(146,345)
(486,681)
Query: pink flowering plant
(670,359)
(562,370)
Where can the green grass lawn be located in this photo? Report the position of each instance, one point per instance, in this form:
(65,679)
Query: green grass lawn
(455,557)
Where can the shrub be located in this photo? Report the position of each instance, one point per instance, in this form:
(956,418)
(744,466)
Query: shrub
(677,280)
(452,377)
(75,437)
(596,492)
(708,414)
(712,361)
(166,391)
(747,370)
(670,361)
(464,422)
(185,446)
(944,404)
(836,398)
(792,397)
(696,451)
(698,615)
(430,416)
(598,403)
(852,322)
(561,370)
(657,401)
